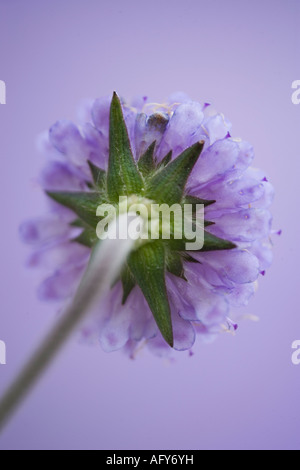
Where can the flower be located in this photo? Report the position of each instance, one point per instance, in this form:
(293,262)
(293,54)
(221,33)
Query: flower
(177,152)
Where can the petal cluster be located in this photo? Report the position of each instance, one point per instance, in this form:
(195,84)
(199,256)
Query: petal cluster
(214,281)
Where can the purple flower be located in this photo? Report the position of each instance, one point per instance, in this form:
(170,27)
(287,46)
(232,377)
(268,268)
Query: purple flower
(211,282)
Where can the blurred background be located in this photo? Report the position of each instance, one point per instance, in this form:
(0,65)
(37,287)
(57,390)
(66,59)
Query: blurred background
(241,392)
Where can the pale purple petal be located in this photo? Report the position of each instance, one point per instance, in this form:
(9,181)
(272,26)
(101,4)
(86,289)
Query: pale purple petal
(237,266)
(183,331)
(64,255)
(159,347)
(178,97)
(232,194)
(195,301)
(142,322)
(214,162)
(67,139)
(184,129)
(44,230)
(217,128)
(243,226)
(61,285)
(263,250)
(100,115)
(98,146)
(246,155)
(84,111)
(138,102)
(240,294)
(58,176)
(266,198)
(115,330)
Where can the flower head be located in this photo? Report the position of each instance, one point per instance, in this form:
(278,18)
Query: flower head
(176,153)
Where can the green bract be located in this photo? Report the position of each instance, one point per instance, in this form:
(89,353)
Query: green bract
(162,182)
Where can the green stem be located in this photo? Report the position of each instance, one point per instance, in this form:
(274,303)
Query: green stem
(105,265)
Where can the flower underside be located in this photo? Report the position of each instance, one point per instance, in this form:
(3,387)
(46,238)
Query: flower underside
(162,182)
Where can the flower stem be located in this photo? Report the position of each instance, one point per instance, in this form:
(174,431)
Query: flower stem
(105,265)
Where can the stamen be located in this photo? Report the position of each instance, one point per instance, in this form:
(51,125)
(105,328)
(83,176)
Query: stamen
(232,324)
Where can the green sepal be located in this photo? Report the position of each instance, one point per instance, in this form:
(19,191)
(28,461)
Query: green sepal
(128,283)
(98,175)
(166,160)
(196,200)
(123,177)
(211,243)
(87,238)
(188,258)
(147,265)
(207,223)
(146,163)
(84,204)
(167,186)
(175,264)
(78,223)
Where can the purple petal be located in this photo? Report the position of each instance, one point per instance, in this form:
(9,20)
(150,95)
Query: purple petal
(98,146)
(159,347)
(245,157)
(178,97)
(45,147)
(214,162)
(262,249)
(237,266)
(232,194)
(115,331)
(58,176)
(138,102)
(184,129)
(100,115)
(246,225)
(44,230)
(184,333)
(61,285)
(267,196)
(84,112)
(241,294)
(142,322)
(64,255)
(66,138)
(195,301)
(217,128)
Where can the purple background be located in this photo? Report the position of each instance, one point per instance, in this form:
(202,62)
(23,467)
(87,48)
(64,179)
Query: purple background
(240,392)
